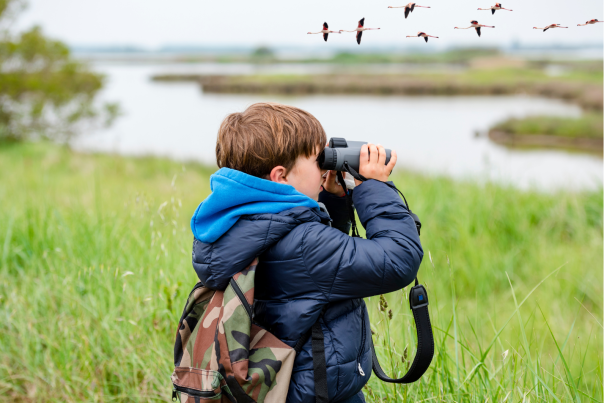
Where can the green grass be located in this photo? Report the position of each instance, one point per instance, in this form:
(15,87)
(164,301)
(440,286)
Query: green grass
(503,76)
(95,267)
(530,75)
(588,125)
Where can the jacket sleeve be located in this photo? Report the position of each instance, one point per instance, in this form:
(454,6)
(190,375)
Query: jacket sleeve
(344,267)
(338,210)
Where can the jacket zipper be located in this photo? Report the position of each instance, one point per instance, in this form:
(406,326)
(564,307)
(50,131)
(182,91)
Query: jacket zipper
(193,392)
(363,336)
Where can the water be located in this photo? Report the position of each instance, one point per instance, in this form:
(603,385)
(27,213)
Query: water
(163,67)
(434,135)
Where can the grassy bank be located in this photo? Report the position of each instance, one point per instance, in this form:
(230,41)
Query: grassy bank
(589,125)
(582,87)
(95,266)
(583,133)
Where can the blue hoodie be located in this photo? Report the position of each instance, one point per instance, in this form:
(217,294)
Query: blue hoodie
(235,193)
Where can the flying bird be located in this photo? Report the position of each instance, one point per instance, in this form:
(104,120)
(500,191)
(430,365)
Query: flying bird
(408,8)
(595,20)
(359,30)
(477,26)
(496,7)
(550,26)
(421,34)
(325,31)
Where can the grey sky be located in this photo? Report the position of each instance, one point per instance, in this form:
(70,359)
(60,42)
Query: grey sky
(152,23)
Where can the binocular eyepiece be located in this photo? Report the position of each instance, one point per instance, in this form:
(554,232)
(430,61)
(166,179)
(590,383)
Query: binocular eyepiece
(342,153)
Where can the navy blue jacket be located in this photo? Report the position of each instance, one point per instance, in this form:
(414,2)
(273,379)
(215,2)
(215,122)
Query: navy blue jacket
(305,265)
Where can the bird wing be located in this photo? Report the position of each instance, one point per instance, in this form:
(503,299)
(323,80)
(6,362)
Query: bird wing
(478,30)
(545,29)
(362,22)
(412,7)
(359,34)
(407,11)
(325,26)
(492,11)
(325,35)
(426,39)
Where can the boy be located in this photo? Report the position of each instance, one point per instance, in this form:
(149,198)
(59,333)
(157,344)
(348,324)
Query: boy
(264,203)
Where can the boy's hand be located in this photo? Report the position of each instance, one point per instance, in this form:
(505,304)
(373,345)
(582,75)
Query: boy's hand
(372,164)
(331,185)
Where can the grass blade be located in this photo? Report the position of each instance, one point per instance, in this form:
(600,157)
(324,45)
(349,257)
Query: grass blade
(568,373)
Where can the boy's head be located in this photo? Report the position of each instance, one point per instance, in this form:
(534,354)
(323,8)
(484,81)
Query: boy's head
(274,142)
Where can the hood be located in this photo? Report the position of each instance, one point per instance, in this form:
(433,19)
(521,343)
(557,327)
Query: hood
(234,194)
(215,263)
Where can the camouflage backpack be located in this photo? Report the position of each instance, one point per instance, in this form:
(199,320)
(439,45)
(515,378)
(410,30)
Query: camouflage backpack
(221,356)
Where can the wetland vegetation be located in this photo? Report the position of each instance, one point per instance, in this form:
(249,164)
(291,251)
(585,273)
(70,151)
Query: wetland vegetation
(582,133)
(95,265)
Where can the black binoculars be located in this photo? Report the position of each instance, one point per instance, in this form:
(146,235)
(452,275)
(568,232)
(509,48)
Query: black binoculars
(342,154)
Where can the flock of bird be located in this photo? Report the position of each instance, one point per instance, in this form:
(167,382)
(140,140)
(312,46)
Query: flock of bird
(409,9)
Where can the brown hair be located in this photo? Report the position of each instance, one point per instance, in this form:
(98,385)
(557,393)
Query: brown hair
(267,135)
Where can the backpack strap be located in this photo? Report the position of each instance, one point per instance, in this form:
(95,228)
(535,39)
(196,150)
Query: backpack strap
(418,299)
(318,358)
(319,363)
(301,342)
(241,296)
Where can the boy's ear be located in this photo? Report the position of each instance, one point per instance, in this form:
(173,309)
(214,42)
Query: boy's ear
(278,175)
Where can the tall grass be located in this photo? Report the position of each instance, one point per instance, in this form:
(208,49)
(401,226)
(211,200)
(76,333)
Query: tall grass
(95,267)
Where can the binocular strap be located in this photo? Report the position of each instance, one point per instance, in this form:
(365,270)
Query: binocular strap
(353,221)
(418,300)
(425,340)
(361,178)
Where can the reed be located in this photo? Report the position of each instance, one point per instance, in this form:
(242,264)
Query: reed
(95,267)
